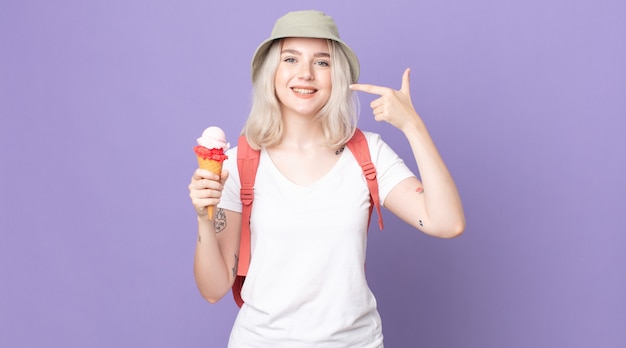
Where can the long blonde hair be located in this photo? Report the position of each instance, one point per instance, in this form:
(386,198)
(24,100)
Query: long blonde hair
(338,117)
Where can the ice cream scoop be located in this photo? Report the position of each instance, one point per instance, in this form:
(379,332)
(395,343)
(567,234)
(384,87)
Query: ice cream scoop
(213,138)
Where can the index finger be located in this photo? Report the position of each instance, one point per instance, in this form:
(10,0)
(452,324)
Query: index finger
(372,89)
(200,174)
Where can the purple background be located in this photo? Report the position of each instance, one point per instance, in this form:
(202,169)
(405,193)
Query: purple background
(101,102)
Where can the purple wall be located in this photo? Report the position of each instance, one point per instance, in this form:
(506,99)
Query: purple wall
(101,102)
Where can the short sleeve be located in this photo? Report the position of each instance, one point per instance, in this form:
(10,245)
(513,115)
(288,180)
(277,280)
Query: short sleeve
(230,196)
(390,168)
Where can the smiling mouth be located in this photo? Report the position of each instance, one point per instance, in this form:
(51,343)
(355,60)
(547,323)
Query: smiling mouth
(304,90)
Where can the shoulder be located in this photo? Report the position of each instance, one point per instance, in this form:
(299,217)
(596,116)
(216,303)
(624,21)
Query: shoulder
(370,135)
(374,140)
(381,153)
(231,163)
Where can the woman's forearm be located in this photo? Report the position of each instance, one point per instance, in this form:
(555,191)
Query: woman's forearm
(210,267)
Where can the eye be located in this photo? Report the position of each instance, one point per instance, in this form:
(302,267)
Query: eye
(323,63)
(289,60)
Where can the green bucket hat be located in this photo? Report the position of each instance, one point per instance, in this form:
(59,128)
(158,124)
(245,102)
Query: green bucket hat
(310,24)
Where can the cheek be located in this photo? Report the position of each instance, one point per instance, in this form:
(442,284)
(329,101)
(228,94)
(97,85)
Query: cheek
(277,78)
(282,74)
(328,88)
(327,80)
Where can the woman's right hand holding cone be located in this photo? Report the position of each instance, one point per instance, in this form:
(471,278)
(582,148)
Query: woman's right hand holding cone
(205,189)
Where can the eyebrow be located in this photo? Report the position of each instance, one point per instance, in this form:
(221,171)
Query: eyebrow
(296,52)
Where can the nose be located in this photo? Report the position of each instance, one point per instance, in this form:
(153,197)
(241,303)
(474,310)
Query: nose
(305,72)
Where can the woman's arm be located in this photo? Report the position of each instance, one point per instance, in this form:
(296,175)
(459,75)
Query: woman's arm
(217,246)
(433,205)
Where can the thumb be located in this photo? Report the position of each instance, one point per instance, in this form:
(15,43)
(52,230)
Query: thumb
(406,81)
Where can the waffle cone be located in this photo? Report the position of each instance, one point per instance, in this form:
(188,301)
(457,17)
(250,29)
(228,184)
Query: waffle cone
(214,167)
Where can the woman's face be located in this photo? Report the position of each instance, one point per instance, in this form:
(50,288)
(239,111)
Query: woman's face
(303,78)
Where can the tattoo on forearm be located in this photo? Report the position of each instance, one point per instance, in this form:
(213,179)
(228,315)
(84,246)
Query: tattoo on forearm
(421,223)
(236,265)
(220,220)
(199,239)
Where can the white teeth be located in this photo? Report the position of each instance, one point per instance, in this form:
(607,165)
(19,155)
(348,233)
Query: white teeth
(303,91)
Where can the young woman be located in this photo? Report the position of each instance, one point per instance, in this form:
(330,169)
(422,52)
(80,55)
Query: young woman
(306,281)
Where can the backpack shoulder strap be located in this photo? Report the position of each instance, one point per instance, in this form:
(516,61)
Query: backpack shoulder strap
(247,164)
(359,148)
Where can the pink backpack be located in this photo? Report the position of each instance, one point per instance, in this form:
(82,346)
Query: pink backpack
(248,162)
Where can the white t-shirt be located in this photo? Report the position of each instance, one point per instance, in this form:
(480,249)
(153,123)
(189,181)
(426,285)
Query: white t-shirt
(306,283)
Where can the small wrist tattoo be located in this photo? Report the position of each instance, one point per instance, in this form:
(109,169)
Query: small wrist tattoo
(421,223)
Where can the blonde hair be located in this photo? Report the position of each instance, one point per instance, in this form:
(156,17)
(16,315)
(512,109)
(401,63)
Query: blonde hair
(338,117)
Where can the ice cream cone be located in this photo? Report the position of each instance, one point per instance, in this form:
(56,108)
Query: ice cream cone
(210,153)
(214,167)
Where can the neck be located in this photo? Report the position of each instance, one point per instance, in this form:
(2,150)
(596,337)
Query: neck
(302,132)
